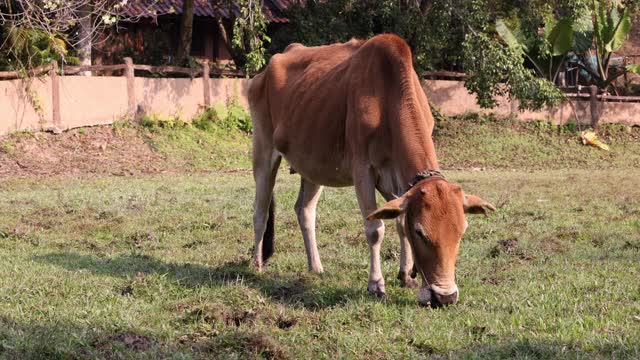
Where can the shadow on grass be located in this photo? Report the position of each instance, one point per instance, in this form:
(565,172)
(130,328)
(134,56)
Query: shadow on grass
(293,290)
(536,349)
(56,339)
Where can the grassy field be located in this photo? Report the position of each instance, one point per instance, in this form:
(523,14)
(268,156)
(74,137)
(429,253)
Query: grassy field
(156,266)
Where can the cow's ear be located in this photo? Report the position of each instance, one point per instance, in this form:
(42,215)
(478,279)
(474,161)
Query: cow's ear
(390,210)
(476,205)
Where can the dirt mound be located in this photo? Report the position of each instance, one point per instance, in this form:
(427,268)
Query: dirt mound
(97,150)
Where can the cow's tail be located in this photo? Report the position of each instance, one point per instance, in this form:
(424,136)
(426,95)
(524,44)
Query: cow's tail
(268,245)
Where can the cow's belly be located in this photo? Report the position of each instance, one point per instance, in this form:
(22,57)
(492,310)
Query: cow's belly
(333,174)
(321,161)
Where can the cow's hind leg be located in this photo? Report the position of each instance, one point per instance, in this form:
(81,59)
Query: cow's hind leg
(374,230)
(306,210)
(406,257)
(265,167)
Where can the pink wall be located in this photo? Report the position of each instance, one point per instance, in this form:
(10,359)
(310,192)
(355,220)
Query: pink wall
(452,98)
(16,109)
(87,101)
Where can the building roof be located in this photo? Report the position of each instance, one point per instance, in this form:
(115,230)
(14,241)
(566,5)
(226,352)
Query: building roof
(273,9)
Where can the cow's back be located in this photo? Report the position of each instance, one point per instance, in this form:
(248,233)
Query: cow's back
(324,106)
(304,92)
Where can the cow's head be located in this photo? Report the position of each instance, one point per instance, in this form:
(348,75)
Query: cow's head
(435,221)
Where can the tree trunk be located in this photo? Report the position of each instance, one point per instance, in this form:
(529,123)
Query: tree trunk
(238,58)
(186,32)
(594,106)
(85,36)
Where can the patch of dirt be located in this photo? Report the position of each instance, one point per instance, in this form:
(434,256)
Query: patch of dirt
(234,343)
(553,244)
(238,318)
(289,291)
(140,238)
(233,317)
(224,315)
(128,340)
(95,150)
(631,245)
(284,323)
(491,280)
(510,247)
(424,348)
(43,218)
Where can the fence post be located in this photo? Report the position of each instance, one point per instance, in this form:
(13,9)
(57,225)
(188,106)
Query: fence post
(55,96)
(131,89)
(206,83)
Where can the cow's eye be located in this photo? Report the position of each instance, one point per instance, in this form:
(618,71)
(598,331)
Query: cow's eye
(421,233)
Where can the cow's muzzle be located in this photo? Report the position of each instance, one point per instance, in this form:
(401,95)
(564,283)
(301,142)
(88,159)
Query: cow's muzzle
(427,296)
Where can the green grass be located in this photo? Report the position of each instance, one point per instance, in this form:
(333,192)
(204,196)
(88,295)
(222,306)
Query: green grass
(215,149)
(483,141)
(463,142)
(157,266)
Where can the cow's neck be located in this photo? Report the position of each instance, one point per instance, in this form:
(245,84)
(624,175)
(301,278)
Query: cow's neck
(414,153)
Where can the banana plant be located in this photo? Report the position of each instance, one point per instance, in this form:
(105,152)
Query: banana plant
(610,30)
(547,51)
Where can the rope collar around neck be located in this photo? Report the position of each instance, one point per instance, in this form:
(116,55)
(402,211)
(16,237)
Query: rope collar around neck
(425,174)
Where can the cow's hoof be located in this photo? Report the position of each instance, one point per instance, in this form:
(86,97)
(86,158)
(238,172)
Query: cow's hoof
(257,266)
(410,283)
(425,297)
(378,294)
(377,290)
(407,281)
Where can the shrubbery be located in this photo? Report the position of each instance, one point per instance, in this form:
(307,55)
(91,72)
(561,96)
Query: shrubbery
(229,117)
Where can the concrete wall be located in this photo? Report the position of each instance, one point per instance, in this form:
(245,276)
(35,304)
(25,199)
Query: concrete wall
(452,98)
(92,101)
(86,101)
(16,109)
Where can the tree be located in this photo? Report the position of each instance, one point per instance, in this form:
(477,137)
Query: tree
(186,31)
(250,34)
(591,37)
(456,35)
(75,22)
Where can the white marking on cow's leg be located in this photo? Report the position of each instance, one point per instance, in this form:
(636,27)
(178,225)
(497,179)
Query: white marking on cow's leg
(406,256)
(306,210)
(265,167)
(374,230)
(375,233)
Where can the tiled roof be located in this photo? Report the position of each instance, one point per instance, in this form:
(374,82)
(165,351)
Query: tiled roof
(273,9)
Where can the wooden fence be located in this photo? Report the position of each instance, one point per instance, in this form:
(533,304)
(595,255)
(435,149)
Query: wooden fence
(128,71)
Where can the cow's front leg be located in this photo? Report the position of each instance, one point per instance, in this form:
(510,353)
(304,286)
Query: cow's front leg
(406,257)
(306,210)
(374,229)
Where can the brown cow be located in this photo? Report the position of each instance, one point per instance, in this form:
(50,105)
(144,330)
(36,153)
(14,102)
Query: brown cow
(355,114)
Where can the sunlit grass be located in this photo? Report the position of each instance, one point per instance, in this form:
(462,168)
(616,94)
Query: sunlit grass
(158,267)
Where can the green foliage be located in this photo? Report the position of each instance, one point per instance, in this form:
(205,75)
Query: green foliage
(611,27)
(24,48)
(610,31)
(250,34)
(230,117)
(432,38)
(504,75)
(155,122)
(435,40)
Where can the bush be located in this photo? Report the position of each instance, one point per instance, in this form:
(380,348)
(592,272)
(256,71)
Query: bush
(230,117)
(154,122)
